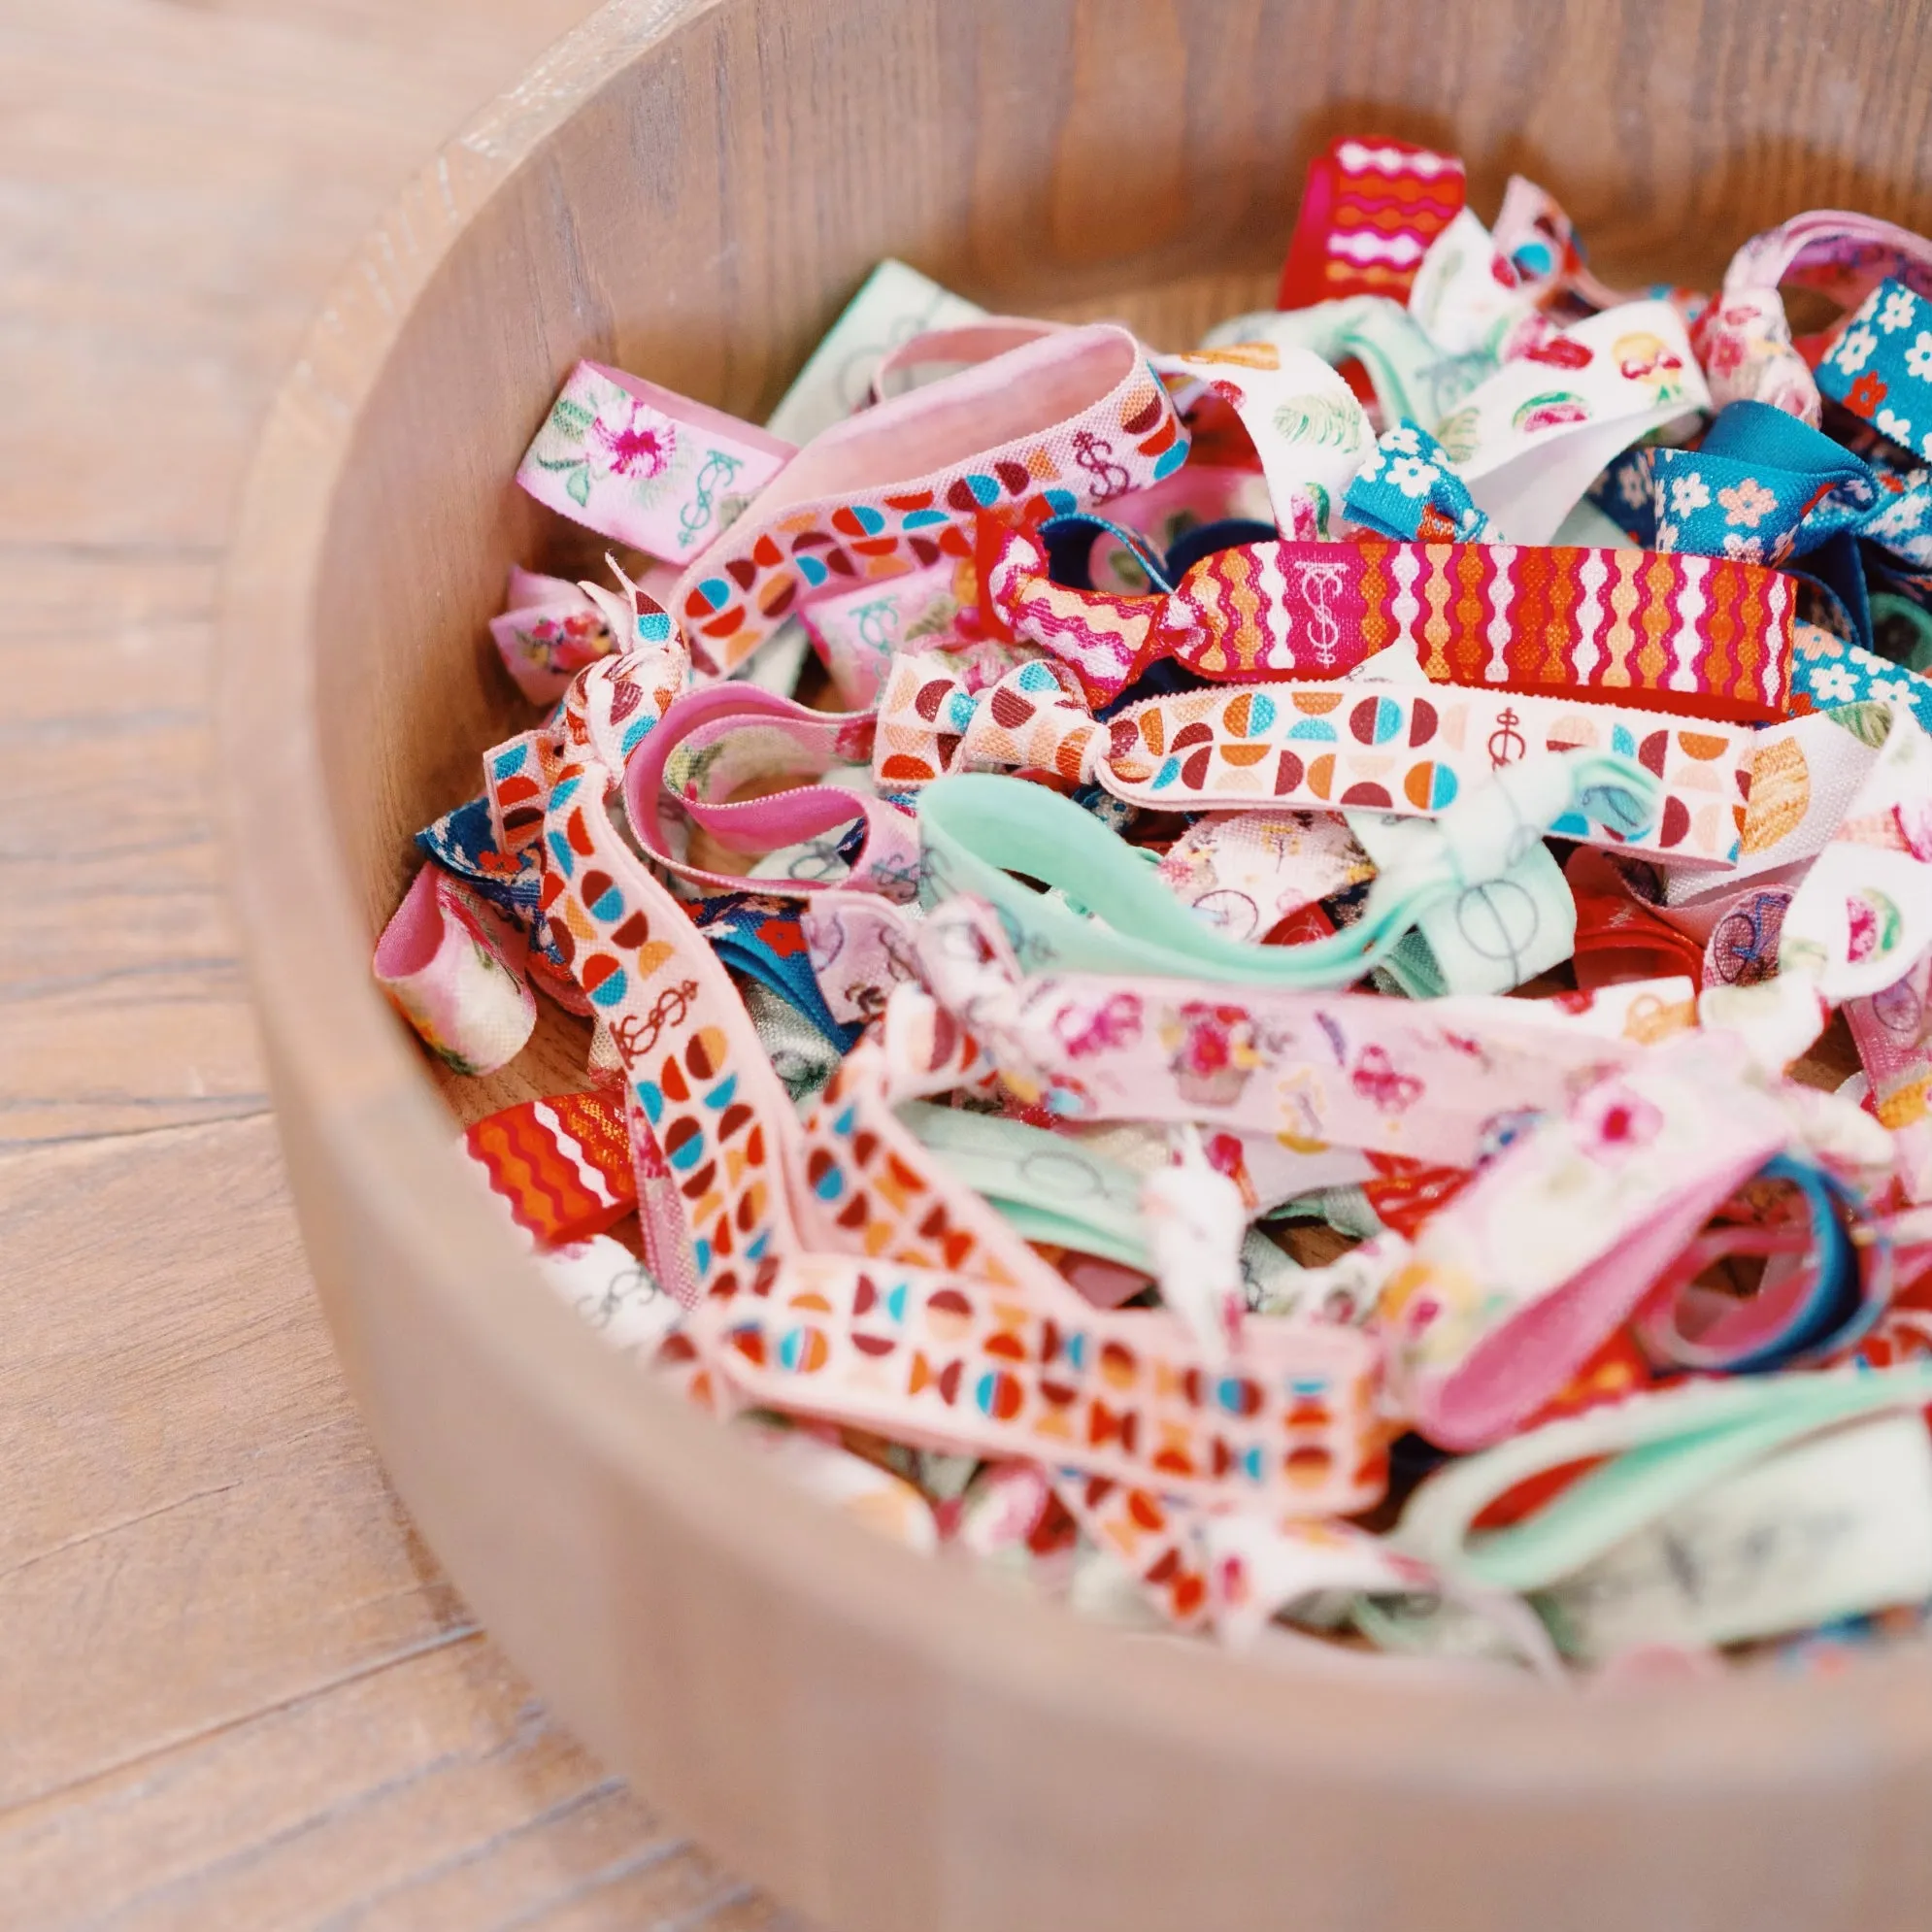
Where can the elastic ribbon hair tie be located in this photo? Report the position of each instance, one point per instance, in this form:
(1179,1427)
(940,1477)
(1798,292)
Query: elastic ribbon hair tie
(978,831)
(1411,750)
(1447,1080)
(834,1269)
(1711,638)
(1294,982)
(899,485)
(1713,1512)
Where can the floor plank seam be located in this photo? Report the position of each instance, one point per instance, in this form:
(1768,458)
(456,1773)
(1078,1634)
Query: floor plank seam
(113,1528)
(658,1853)
(523,1736)
(255,1107)
(20,991)
(351,1917)
(465,1633)
(87,550)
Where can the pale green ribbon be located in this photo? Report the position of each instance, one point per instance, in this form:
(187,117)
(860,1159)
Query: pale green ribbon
(1663,1450)
(1412,379)
(978,830)
(1053,1190)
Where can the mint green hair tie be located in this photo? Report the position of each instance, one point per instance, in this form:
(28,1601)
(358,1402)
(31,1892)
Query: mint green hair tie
(982,835)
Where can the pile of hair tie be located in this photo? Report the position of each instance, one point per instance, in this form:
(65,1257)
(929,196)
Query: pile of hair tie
(1281,990)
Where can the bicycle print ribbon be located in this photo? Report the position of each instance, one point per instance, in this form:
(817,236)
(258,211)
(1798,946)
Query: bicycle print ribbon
(1702,1510)
(1709,637)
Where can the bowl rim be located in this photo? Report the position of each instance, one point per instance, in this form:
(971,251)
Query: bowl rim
(339,1059)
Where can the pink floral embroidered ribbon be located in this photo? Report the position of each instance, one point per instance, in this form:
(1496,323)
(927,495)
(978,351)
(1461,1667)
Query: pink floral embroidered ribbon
(1321,747)
(549,631)
(837,1271)
(646,466)
(1069,421)
(1709,637)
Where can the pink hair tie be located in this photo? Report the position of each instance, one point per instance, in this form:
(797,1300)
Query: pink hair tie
(455,975)
(1743,338)
(1065,422)
(888,859)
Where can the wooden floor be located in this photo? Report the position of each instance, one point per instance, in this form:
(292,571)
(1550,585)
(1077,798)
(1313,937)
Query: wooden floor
(234,1688)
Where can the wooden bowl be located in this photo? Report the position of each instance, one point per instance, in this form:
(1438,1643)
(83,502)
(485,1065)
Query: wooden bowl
(692,188)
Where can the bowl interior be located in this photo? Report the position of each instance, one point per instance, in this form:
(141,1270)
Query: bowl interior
(691,189)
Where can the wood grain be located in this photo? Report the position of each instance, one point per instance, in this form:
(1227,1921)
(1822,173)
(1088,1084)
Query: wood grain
(693,187)
(117,938)
(237,1689)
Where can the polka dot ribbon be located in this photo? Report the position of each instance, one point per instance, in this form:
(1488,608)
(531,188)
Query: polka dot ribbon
(1323,747)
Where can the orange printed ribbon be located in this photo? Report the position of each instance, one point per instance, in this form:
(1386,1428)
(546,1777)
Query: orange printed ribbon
(1704,637)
